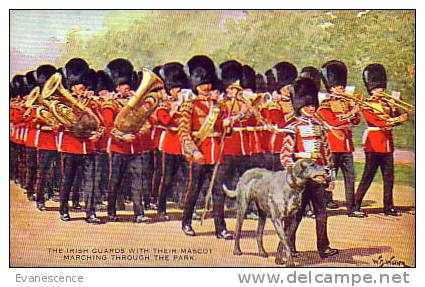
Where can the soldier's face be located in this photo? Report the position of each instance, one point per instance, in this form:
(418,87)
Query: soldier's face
(308,110)
(78,89)
(204,89)
(124,90)
(104,94)
(174,92)
(338,89)
(377,92)
(285,91)
(232,92)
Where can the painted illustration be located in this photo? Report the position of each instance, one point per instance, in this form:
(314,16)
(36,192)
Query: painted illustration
(202,138)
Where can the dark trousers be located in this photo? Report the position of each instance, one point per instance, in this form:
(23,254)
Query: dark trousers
(46,158)
(147,169)
(13,161)
(260,160)
(315,194)
(31,166)
(156,178)
(22,164)
(129,166)
(345,162)
(198,174)
(55,180)
(374,160)
(171,163)
(102,176)
(233,167)
(71,165)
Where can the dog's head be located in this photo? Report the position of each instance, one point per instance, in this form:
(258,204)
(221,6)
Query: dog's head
(306,171)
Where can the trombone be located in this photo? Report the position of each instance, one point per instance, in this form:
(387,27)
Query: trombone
(403,105)
(358,99)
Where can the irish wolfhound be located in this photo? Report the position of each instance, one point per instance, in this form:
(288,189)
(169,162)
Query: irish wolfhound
(277,194)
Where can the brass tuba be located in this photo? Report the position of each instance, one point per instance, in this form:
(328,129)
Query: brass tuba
(67,110)
(144,102)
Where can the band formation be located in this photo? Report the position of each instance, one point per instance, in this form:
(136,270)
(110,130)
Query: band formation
(118,134)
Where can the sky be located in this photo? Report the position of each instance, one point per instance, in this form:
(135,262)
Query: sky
(36,36)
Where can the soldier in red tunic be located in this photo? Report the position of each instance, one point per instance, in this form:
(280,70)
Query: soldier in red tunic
(78,154)
(236,143)
(125,148)
(168,116)
(104,91)
(200,132)
(340,114)
(305,138)
(41,141)
(378,141)
(280,107)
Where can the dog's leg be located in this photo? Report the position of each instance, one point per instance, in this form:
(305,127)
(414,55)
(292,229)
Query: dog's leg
(242,207)
(261,223)
(277,222)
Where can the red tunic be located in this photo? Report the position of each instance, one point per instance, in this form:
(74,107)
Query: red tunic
(169,141)
(194,113)
(109,112)
(31,129)
(378,136)
(332,111)
(237,143)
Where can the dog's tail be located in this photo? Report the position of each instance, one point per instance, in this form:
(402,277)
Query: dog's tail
(229,193)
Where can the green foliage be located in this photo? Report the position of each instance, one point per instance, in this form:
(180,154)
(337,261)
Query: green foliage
(261,39)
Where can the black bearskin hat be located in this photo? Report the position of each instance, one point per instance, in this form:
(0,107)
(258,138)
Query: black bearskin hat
(89,79)
(260,84)
(18,82)
(74,70)
(201,70)
(271,81)
(43,73)
(174,76)
(305,93)
(31,80)
(374,76)
(334,73)
(120,71)
(248,78)
(103,82)
(312,73)
(136,79)
(231,72)
(285,73)
(157,71)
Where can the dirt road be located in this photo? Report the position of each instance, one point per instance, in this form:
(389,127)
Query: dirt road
(41,239)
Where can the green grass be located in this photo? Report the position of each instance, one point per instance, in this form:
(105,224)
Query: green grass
(403,174)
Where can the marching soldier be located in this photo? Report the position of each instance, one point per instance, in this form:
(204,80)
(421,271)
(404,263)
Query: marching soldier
(377,139)
(104,90)
(45,139)
(29,138)
(168,115)
(305,138)
(77,152)
(236,150)
(200,131)
(125,149)
(340,114)
(280,108)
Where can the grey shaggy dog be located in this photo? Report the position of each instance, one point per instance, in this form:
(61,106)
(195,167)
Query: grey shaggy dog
(277,194)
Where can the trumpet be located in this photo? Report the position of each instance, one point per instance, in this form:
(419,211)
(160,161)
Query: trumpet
(394,101)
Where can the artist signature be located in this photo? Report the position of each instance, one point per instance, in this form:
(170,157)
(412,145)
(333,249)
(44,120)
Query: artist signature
(386,262)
